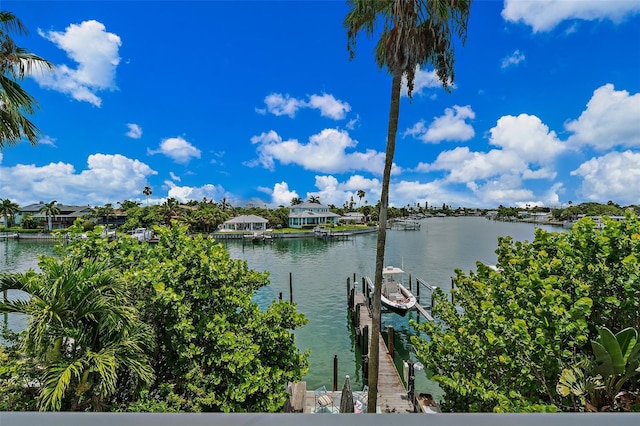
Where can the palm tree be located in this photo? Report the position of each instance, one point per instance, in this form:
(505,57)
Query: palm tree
(81,330)
(105,211)
(169,209)
(314,199)
(414,33)
(147,192)
(361,194)
(16,63)
(50,209)
(225,205)
(296,201)
(8,208)
(27,221)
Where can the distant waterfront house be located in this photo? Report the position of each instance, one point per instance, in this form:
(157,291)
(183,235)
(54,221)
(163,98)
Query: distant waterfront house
(116,219)
(353,217)
(541,216)
(309,215)
(68,214)
(245,223)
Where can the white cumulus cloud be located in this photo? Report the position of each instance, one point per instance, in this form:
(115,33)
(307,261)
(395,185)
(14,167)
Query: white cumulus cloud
(330,107)
(178,149)
(134,132)
(95,52)
(544,15)
(281,195)
(614,176)
(527,136)
(278,104)
(526,150)
(186,193)
(107,179)
(451,126)
(612,118)
(330,151)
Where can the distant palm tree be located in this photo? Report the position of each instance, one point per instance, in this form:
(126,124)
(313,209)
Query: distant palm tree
(361,194)
(106,211)
(296,201)
(50,209)
(224,205)
(8,208)
(169,209)
(16,63)
(27,221)
(314,199)
(414,33)
(147,191)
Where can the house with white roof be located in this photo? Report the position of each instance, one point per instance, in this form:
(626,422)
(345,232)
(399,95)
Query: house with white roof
(310,215)
(245,223)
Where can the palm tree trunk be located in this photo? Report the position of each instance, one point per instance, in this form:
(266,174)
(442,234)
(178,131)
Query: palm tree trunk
(374,363)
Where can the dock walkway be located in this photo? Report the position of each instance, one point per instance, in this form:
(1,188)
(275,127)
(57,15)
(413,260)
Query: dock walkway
(392,395)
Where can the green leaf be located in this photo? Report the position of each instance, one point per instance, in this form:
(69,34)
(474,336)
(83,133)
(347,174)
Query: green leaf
(627,340)
(611,345)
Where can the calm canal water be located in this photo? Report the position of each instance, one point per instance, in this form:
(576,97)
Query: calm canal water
(319,270)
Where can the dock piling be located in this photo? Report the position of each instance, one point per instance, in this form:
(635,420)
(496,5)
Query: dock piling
(290,287)
(348,288)
(453,286)
(335,373)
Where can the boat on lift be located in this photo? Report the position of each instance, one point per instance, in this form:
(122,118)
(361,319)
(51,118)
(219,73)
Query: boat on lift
(394,296)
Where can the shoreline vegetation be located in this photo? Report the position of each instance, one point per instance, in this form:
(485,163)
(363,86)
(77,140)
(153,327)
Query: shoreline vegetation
(206,216)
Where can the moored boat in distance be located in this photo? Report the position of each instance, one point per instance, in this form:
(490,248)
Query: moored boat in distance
(142,234)
(395,296)
(405,225)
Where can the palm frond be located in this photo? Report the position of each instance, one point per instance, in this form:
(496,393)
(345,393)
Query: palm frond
(11,281)
(17,306)
(56,382)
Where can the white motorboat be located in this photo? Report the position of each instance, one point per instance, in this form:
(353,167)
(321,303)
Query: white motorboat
(395,296)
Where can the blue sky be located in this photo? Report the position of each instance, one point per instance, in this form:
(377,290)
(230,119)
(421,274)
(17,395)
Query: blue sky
(258,102)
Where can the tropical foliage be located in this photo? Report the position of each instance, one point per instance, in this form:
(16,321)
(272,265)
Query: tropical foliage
(15,103)
(8,209)
(597,384)
(109,313)
(512,332)
(413,34)
(18,391)
(50,209)
(590,209)
(82,332)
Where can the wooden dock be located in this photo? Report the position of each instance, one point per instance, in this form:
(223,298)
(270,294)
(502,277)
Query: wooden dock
(393,396)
